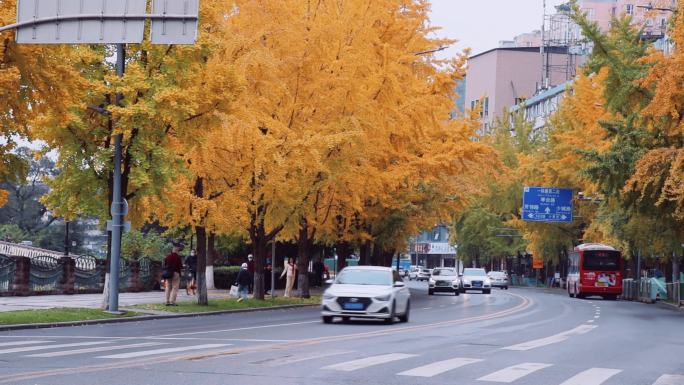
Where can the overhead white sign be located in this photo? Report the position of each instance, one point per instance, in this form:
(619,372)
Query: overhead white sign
(73,22)
(435,248)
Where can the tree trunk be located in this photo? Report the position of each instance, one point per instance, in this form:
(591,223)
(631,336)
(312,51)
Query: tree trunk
(202,298)
(365,253)
(211,255)
(304,251)
(343,251)
(376,256)
(201,234)
(259,252)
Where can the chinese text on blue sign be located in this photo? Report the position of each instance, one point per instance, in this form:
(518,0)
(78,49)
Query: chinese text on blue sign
(547,204)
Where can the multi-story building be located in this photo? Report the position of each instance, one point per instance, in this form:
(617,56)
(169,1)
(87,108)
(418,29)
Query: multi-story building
(432,249)
(503,77)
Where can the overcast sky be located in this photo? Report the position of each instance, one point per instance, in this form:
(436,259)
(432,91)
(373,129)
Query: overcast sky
(480,24)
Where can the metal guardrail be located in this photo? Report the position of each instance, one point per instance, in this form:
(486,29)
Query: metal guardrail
(46,274)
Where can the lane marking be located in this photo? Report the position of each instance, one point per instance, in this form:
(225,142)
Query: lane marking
(238,329)
(597,316)
(593,376)
(46,347)
(514,372)
(19,343)
(163,351)
(280,361)
(560,337)
(440,367)
(368,362)
(670,379)
(93,350)
(591,320)
(427,308)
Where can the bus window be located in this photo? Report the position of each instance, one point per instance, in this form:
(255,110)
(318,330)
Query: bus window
(601,260)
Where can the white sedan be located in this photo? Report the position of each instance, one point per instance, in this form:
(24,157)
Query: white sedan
(367,292)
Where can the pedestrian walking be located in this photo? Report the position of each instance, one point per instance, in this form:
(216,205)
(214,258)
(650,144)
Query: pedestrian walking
(174,264)
(251,270)
(243,281)
(289,273)
(191,263)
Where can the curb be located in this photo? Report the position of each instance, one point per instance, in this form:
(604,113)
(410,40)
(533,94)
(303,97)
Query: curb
(146,318)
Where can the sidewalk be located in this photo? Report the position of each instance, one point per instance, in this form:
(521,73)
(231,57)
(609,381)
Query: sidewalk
(93,301)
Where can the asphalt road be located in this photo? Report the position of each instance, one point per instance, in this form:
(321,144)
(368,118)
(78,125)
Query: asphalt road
(519,336)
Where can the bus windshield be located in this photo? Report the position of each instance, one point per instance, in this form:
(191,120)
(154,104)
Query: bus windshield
(601,260)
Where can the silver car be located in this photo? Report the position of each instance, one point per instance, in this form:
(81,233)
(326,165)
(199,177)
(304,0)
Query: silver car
(444,280)
(475,279)
(498,279)
(367,292)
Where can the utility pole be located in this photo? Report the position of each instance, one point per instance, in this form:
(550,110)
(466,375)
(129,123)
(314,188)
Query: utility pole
(46,22)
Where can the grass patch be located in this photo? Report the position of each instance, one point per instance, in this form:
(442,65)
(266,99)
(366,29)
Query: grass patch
(56,315)
(230,304)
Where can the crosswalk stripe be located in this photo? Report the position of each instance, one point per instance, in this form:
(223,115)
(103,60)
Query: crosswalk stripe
(514,372)
(593,376)
(369,361)
(93,350)
(440,367)
(280,361)
(560,337)
(670,379)
(46,347)
(19,343)
(163,351)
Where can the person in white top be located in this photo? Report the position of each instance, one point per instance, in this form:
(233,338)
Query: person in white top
(289,272)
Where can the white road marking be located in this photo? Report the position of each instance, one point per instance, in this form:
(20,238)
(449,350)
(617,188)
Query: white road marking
(369,361)
(593,376)
(560,337)
(18,343)
(427,308)
(163,351)
(670,379)
(440,367)
(46,347)
(591,320)
(237,329)
(514,372)
(302,357)
(93,350)
(597,316)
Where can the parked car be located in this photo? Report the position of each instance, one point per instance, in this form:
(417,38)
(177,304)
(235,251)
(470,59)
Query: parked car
(498,279)
(367,292)
(475,279)
(444,280)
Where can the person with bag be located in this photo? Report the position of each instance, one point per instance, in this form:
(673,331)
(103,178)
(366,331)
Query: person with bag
(191,263)
(290,274)
(173,264)
(243,281)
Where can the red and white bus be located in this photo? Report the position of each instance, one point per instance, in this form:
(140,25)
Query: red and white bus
(594,269)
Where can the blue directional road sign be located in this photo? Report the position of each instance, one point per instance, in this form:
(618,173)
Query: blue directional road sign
(547,204)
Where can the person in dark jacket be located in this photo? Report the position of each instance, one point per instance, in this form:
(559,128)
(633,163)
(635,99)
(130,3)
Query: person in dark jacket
(252,269)
(243,281)
(174,263)
(191,263)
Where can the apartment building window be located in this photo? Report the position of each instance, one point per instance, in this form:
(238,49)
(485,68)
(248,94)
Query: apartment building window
(629,9)
(591,13)
(486,106)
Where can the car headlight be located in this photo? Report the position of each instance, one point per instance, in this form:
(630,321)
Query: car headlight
(487,282)
(383,298)
(455,283)
(466,281)
(432,281)
(327,295)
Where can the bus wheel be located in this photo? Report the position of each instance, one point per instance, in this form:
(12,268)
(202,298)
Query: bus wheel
(580,296)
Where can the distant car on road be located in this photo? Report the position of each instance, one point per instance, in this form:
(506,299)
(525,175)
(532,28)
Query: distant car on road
(498,279)
(414,271)
(423,275)
(475,279)
(367,292)
(444,280)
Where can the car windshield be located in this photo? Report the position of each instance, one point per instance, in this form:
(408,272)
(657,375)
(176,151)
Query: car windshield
(474,272)
(444,272)
(364,277)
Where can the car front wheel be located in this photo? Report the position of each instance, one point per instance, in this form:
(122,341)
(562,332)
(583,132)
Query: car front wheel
(456,292)
(327,319)
(390,320)
(405,317)
(488,291)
